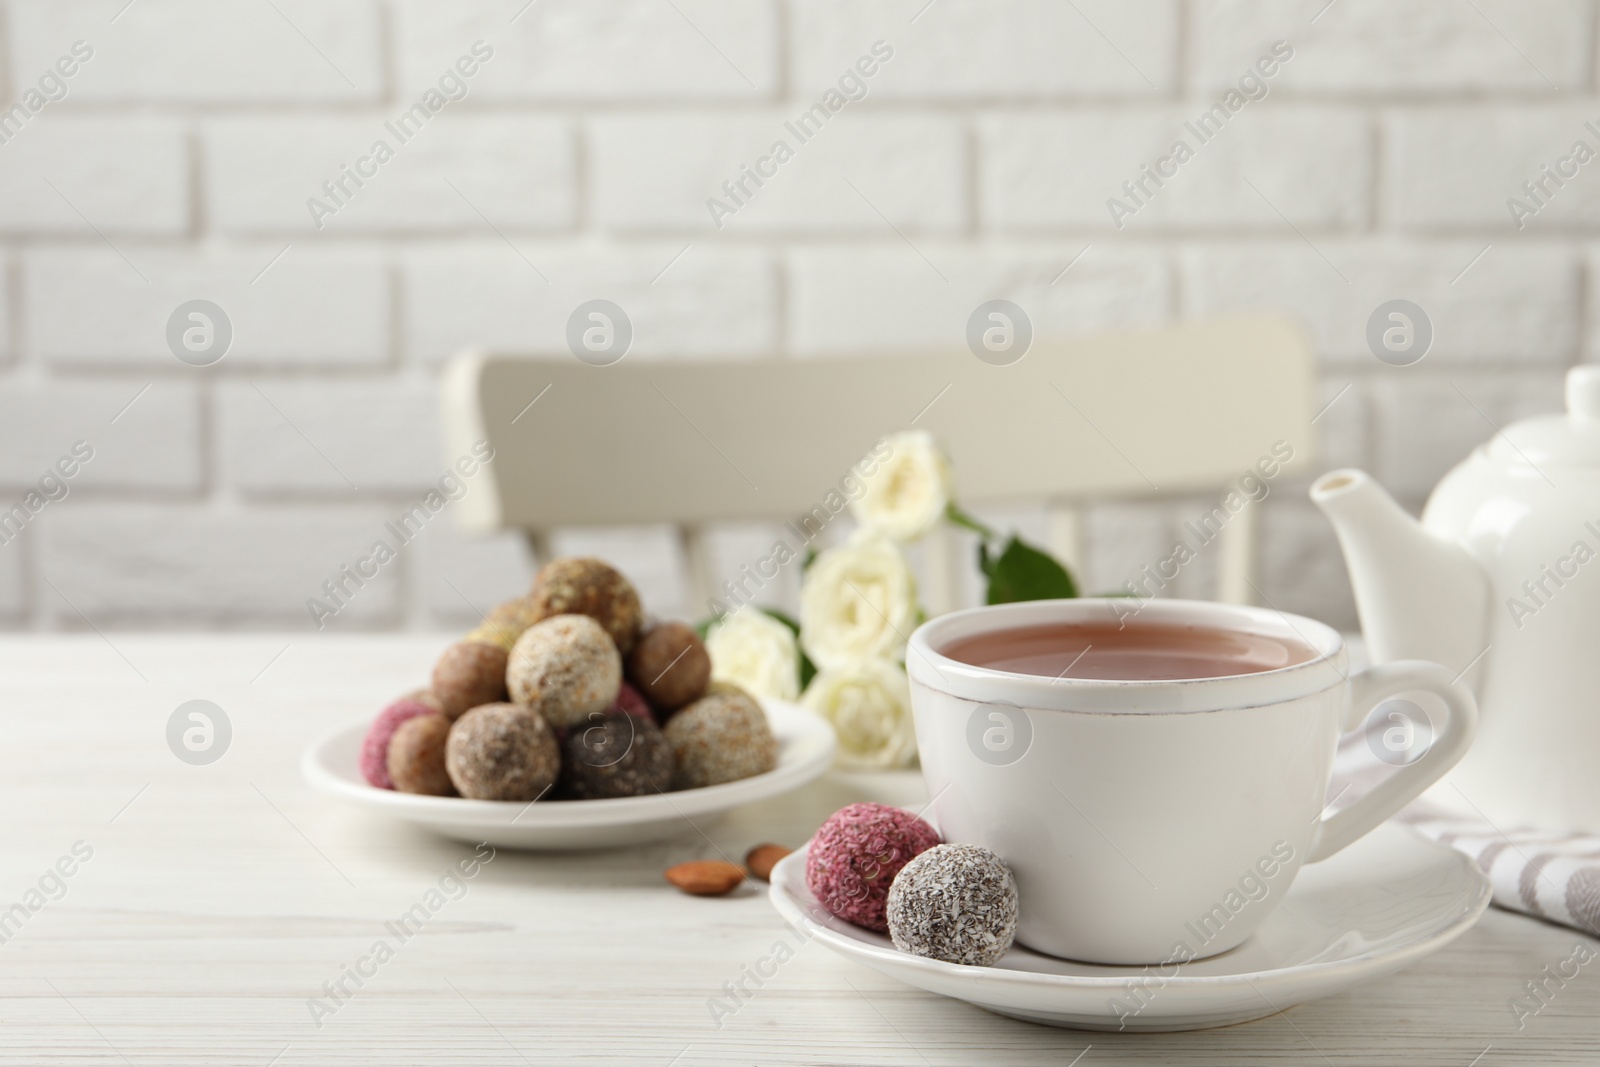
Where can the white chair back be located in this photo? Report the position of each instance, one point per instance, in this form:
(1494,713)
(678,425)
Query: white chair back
(1181,410)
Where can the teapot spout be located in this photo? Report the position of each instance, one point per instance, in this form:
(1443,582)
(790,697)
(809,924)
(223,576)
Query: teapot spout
(1418,595)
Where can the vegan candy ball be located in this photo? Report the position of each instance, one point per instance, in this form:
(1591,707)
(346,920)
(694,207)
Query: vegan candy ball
(720,738)
(416,759)
(585,586)
(375,746)
(956,903)
(567,668)
(426,698)
(502,752)
(469,673)
(505,623)
(615,755)
(670,666)
(855,856)
(629,700)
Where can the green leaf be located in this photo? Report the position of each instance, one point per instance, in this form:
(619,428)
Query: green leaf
(808,671)
(788,620)
(1022,572)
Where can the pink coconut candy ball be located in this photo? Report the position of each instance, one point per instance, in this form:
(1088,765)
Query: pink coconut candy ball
(375,746)
(855,856)
(630,701)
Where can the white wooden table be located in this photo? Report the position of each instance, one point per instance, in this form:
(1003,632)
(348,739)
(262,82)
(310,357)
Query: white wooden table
(219,899)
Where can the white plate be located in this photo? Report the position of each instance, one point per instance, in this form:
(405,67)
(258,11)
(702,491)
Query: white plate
(805,751)
(1385,902)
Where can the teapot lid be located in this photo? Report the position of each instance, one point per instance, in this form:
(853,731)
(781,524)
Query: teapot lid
(1572,439)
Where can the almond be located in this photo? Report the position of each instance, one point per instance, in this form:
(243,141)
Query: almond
(705,878)
(763,858)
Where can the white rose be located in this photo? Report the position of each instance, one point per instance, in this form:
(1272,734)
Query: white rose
(858,601)
(906,496)
(756,652)
(869,704)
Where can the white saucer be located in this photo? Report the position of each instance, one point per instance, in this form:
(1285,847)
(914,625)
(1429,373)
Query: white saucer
(1385,902)
(805,751)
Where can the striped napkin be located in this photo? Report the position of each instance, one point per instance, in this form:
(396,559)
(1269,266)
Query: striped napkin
(1550,876)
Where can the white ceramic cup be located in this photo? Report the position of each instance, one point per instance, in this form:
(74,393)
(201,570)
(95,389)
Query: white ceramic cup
(1157,821)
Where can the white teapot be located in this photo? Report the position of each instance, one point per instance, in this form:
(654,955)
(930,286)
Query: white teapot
(1500,581)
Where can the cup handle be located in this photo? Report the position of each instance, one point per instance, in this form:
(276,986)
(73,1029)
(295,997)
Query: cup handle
(1368,689)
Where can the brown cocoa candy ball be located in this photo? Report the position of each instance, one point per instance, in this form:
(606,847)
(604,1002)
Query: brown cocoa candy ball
(416,760)
(566,668)
(670,666)
(502,752)
(615,755)
(505,623)
(469,673)
(720,738)
(592,587)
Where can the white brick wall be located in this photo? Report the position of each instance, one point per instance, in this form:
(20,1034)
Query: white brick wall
(176,161)
(1376,48)
(202,52)
(145,435)
(1519,303)
(1056,171)
(654,172)
(1454,167)
(989,50)
(81,175)
(634,51)
(321,307)
(196,565)
(510,172)
(846,300)
(277,436)
(711,302)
